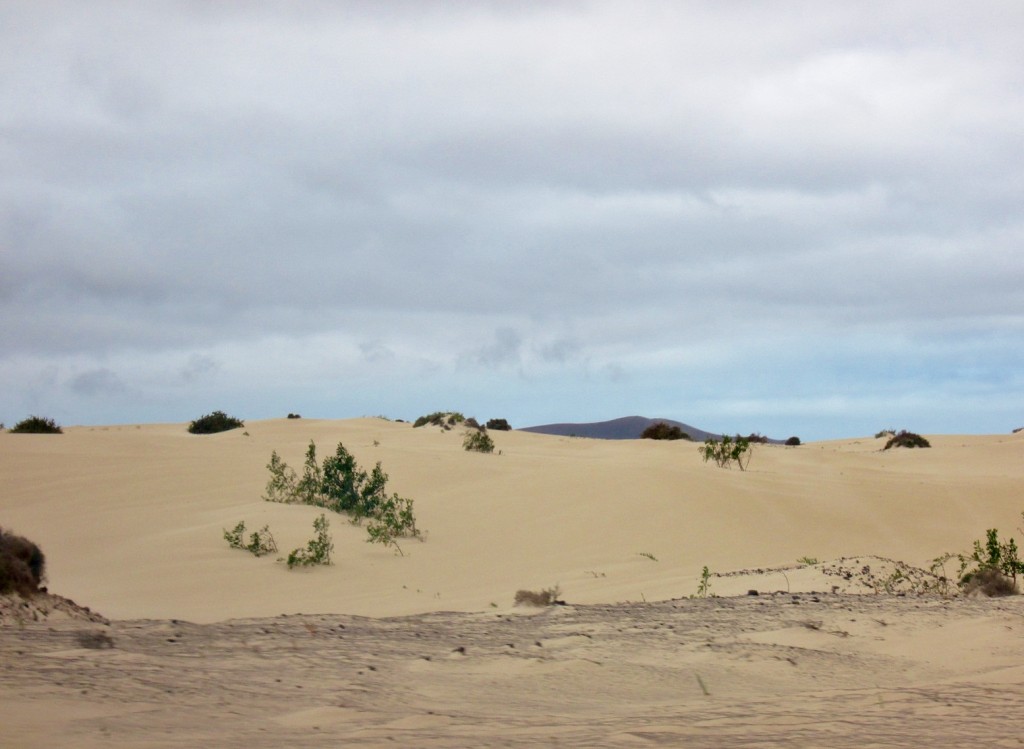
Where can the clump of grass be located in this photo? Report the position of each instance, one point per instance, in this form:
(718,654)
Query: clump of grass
(22,565)
(211,423)
(807,560)
(546,597)
(36,425)
(648,555)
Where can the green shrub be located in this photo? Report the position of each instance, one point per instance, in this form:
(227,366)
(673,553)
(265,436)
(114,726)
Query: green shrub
(993,567)
(793,442)
(479,442)
(341,486)
(294,416)
(22,565)
(726,452)
(444,419)
(663,431)
(318,550)
(218,421)
(755,438)
(500,425)
(260,543)
(906,439)
(36,425)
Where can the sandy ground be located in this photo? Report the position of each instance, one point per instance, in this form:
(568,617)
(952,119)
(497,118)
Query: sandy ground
(426,649)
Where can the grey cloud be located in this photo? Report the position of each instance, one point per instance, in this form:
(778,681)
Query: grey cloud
(97,382)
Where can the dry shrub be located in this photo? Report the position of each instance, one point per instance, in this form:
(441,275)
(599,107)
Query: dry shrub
(22,565)
(546,597)
(990,582)
(903,438)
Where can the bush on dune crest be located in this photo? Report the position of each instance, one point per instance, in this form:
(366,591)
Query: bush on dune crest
(215,422)
(36,425)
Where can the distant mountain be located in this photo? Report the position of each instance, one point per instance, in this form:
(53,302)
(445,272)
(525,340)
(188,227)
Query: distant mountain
(626,428)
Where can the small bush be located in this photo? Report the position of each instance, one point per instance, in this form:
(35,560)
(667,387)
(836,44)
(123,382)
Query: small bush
(906,439)
(294,416)
(36,425)
(663,431)
(318,550)
(793,442)
(22,565)
(993,563)
(472,423)
(260,543)
(479,442)
(885,433)
(500,425)
(726,452)
(444,419)
(218,421)
(546,597)
(755,438)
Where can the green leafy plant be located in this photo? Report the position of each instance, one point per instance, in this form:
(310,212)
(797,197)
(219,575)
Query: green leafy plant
(36,425)
(663,431)
(341,486)
(704,586)
(793,442)
(727,451)
(807,560)
(991,567)
(318,550)
(283,483)
(260,542)
(211,423)
(479,442)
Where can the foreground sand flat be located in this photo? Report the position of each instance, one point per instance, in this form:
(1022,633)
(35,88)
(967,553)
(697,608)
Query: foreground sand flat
(783,670)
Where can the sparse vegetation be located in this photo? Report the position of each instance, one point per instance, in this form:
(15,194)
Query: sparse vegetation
(22,565)
(444,419)
(546,597)
(991,568)
(318,550)
(36,425)
(211,423)
(339,485)
(294,416)
(807,560)
(754,438)
(793,442)
(884,433)
(648,555)
(904,438)
(727,451)
(260,542)
(500,425)
(479,442)
(663,431)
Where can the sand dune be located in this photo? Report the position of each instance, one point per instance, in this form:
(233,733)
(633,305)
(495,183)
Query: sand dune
(131,520)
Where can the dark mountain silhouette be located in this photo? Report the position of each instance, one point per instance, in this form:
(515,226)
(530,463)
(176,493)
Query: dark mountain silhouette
(626,428)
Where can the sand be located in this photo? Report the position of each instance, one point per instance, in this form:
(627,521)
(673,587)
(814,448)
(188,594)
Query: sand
(131,519)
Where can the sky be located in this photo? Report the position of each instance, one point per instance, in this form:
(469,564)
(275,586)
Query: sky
(794,218)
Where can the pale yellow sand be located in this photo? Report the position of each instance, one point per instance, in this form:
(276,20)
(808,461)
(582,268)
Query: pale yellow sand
(131,519)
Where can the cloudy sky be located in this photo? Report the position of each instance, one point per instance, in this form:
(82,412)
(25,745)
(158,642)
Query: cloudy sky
(789,217)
